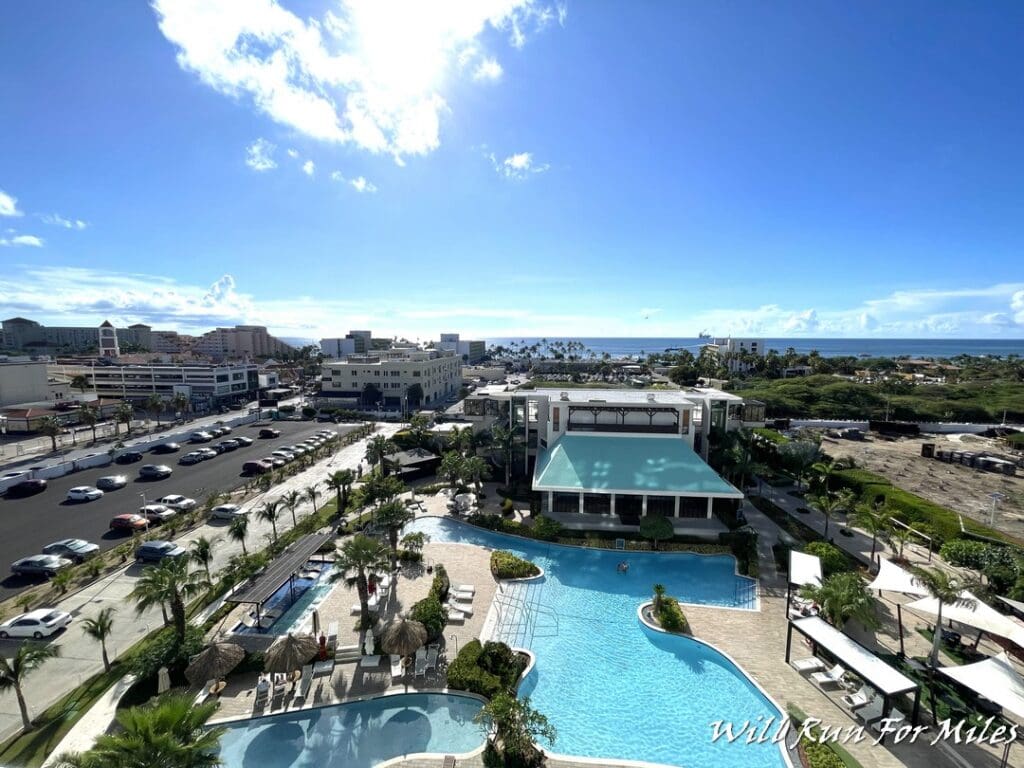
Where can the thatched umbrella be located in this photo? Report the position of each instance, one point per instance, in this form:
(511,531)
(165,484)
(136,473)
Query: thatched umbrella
(290,653)
(214,661)
(403,636)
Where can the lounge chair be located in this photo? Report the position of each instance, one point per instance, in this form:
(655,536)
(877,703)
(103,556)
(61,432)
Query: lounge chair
(464,588)
(259,701)
(895,718)
(397,670)
(465,610)
(860,698)
(305,683)
(871,711)
(449,761)
(325,667)
(204,693)
(421,663)
(456,617)
(431,658)
(466,597)
(277,700)
(833,676)
(810,664)
(332,634)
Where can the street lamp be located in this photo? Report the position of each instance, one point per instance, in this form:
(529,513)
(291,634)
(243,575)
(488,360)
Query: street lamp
(996,498)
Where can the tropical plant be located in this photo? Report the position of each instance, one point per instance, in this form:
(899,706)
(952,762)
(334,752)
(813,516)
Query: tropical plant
(89,416)
(656,528)
(800,456)
(476,470)
(201,553)
(268,512)
(80,382)
(503,440)
(311,494)
(832,558)
(824,471)
(99,629)
(414,542)
(291,501)
(123,415)
(873,520)
(514,726)
(451,468)
(62,580)
(382,489)
(238,530)
(419,430)
(341,483)
(659,595)
(170,733)
(392,516)
(180,402)
(377,449)
(13,672)
(841,597)
(357,558)
(169,583)
(155,405)
(49,426)
(741,462)
(828,503)
(947,589)
(900,535)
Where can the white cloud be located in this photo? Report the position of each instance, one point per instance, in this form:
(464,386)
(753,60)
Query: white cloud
(360,184)
(518,166)
(293,154)
(337,176)
(1017,305)
(563,13)
(370,75)
(488,69)
(59,221)
(260,155)
(8,205)
(309,168)
(18,240)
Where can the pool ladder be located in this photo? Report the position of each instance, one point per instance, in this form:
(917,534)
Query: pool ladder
(521,614)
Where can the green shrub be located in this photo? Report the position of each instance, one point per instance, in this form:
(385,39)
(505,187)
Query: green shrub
(821,755)
(308,412)
(505,565)
(410,556)
(431,615)
(486,670)
(770,435)
(500,660)
(743,545)
(441,584)
(964,553)
(507,507)
(832,558)
(671,617)
(547,529)
(166,651)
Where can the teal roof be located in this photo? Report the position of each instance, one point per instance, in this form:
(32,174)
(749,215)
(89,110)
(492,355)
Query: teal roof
(650,465)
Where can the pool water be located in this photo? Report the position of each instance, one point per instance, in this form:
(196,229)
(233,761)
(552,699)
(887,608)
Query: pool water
(360,734)
(294,604)
(612,687)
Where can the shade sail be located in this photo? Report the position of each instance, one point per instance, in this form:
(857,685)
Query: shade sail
(804,568)
(892,578)
(855,657)
(1015,604)
(994,678)
(977,615)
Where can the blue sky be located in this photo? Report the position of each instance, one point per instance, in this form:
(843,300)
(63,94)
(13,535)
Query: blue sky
(506,167)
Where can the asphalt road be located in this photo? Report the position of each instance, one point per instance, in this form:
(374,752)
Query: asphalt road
(29,524)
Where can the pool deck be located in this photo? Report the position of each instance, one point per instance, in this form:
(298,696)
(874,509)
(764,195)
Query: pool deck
(730,631)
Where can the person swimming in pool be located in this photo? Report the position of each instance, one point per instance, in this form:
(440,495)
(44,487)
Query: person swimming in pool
(623,567)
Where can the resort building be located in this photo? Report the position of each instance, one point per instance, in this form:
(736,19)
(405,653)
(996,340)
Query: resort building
(240,342)
(620,452)
(20,334)
(401,377)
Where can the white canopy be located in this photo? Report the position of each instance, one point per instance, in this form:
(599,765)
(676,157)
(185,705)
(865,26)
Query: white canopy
(892,578)
(977,615)
(855,657)
(1015,604)
(804,568)
(995,679)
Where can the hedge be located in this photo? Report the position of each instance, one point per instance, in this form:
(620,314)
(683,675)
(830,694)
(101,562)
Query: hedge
(770,435)
(505,565)
(965,553)
(432,615)
(487,669)
(543,528)
(832,558)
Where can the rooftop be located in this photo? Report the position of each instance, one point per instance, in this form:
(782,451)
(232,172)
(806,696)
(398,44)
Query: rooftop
(628,465)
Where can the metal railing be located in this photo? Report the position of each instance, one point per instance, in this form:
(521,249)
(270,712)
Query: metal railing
(521,616)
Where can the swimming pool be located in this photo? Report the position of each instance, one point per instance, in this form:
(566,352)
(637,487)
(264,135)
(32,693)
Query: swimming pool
(612,687)
(294,603)
(360,734)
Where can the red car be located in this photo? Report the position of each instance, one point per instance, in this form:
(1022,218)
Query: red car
(129,523)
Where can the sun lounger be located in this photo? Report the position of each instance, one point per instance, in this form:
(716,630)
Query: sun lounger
(465,610)
(421,666)
(259,701)
(397,670)
(456,617)
(833,677)
(466,597)
(277,699)
(332,634)
(373,603)
(306,682)
(860,698)
(325,667)
(464,588)
(204,693)
(810,664)
(431,658)
(871,711)
(895,717)
(449,761)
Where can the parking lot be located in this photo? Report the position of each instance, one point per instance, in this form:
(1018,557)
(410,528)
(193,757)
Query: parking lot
(31,523)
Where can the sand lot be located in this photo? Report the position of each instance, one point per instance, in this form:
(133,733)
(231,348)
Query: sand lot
(957,487)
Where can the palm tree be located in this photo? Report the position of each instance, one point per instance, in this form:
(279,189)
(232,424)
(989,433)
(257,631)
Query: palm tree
(356,558)
(868,518)
(180,402)
(155,404)
(50,427)
(311,494)
(202,554)
(168,583)
(947,589)
(123,415)
(476,469)
(800,456)
(841,597)
(377,449)
(824,472)
(900,535)
(659,595)
(503,440)
(29,658)
(268,512)
(451,468)
(99,629)
(238,529)
(89,416)
(827,503)
(80,382)
(341,483)
(171,733)
(515,727)
(392,516)
(291,501)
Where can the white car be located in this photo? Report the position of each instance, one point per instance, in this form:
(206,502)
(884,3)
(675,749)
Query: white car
(36,624)
(286,455)
(227,512)
(178,502)
(84,493)
(156,513)
(200,437)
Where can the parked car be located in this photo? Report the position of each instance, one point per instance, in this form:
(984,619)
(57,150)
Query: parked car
(40,565)
(296,450)
(112,482)
(257,467)
(217,448)
(37,624)
(192,457)
(84,493)
(155,551)
(207,453)
(128,457)
(243,441)
(155,471)
(216,431)
(227,512)
(266,433)
(283,454)
(156,513)
(26,488)
(229,445)
(200,437)
(275,461)
(177,502)
(167,448)
(78,550)
(129,523)
(224,429)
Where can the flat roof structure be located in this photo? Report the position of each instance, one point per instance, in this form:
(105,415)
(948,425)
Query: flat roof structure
(627,465)
(284,567)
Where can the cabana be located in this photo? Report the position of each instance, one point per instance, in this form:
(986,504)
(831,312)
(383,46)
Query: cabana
(892,578)
(887,680)
(803,569)
(974,613)
(996,679)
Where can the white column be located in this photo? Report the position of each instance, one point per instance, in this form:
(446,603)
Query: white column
(710,502)
(551,501)
(676,512)
(643,506)
(612,513)
(581,502)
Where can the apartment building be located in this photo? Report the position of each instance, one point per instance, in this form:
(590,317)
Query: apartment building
(242,341)
(470,351)
(206,386)
(397,378)
(352,343)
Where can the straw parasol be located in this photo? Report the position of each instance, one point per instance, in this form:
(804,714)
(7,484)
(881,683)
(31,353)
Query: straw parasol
(214,661)
(403,636)
(289,653)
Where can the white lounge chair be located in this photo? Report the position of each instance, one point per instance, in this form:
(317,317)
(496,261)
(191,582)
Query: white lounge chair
(456,617)
(870,711)
(895,718)
(464,588)
(204,694)
(465,610)
(833,676)
(431,658)
(306,682)
(332,634)
(810,664)
(860,698)
(421,663)
(466,597)
(397,670)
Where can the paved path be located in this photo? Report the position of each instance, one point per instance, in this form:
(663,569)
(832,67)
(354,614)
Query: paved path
(80,655)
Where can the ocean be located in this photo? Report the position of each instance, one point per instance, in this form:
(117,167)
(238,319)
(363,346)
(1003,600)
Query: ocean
(631,347)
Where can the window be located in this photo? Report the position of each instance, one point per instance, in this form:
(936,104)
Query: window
(556,417)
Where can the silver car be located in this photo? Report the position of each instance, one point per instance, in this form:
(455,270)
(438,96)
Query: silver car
(112,482)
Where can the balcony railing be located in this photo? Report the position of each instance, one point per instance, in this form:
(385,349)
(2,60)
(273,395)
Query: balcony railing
(637,429)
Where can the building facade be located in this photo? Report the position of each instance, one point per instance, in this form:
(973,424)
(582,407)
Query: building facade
(470,351)
(23,382)
(391,377)
(240,342)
